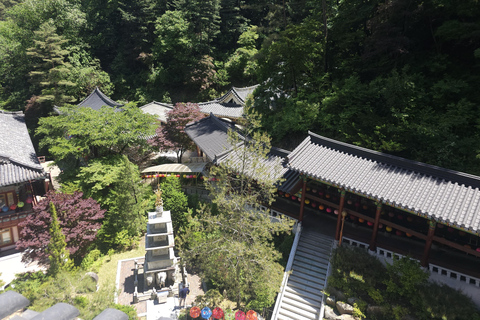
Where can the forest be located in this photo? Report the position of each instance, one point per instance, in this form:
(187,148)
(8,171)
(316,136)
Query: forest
(397,76)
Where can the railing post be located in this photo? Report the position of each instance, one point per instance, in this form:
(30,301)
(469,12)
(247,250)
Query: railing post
(302,201)
(428,244)
(339,217)
(373,241)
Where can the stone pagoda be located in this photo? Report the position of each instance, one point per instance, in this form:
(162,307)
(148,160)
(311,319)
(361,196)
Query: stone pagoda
(160,262)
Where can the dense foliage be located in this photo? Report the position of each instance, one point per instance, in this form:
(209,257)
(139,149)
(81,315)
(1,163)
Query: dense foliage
(176,202)
(399,290)
(398,76)
(79,220)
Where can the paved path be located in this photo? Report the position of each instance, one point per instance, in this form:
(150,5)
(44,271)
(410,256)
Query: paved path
(12,264)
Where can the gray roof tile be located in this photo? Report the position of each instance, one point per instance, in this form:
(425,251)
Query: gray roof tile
(97,99)
(18,160)
(239,95)
(111,314)
(10,302)
(210,135)
(220,109)
(158,109)
(446,195)
(59,311)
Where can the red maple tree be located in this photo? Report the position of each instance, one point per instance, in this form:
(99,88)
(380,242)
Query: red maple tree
(79,218)
(172,136)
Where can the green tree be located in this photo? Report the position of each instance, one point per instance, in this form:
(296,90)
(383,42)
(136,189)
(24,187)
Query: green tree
(234,247)
(57,248)
(81,134)
(116,184)
(241,65)
(176,201)
(50,70)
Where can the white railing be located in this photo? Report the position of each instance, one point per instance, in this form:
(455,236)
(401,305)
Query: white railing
(434,269)
(329,273)
(288,268)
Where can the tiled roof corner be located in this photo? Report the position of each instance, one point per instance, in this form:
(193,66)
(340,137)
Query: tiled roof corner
(97,99)
(19,162)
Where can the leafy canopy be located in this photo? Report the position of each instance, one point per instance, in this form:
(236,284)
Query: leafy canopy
(82,132)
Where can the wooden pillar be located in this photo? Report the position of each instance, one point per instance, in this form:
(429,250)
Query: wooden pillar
(339,217)
(373,241)
(302,201)
(428,244)
(199,152)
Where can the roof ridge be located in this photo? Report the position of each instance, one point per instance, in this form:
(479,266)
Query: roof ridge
(107,99)
(416,166)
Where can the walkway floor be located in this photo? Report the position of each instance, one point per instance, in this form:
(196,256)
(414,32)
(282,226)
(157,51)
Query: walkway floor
(12,264)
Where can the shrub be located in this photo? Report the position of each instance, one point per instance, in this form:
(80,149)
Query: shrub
(129,310)
(90,260)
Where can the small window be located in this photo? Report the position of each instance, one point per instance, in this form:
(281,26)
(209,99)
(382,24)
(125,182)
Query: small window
(5,237)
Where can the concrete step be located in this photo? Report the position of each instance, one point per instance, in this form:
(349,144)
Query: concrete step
(298,269)
(307,307)
(302,299)
(305,287)
(319,267)
(317,253)
(291,312)
(316,241)
(317,237)
(309,259)
(306,280)
(304,294)
(315,247)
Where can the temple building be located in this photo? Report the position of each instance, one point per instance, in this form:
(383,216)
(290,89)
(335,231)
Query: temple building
(22,178)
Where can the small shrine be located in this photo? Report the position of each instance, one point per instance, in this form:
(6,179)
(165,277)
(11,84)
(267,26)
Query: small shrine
(160,262)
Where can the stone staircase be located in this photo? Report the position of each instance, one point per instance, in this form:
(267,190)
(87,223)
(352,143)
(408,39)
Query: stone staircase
(302,297)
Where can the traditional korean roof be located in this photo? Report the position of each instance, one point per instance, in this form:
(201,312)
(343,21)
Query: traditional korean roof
(237,95)
(221,109)
(97,99)
(13,304)
(157,109)
(445,195)
(18,160)
(210,135)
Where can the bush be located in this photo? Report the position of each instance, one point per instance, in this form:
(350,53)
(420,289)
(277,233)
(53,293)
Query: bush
(28,284)
(408,292)
(285,247)
(129,310)
(91,259)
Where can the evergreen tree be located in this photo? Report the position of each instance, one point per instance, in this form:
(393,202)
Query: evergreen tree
(176,202)
(234,247)
(57,252)
(50,70)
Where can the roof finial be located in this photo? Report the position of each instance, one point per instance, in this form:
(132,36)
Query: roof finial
(158,201)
